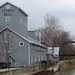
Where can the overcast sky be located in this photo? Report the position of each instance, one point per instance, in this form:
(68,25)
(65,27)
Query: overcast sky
(37,9)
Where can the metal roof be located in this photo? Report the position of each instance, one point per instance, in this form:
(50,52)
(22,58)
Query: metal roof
(35,42)
(28,39)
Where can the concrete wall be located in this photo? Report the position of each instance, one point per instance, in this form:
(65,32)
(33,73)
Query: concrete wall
(17,71)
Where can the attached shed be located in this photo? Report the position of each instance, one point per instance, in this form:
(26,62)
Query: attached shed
(53,55)
(50,57)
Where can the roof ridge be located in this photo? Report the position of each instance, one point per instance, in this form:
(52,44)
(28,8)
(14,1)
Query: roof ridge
(29,39)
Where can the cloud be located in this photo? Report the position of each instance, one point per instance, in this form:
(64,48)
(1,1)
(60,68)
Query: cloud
(37,9)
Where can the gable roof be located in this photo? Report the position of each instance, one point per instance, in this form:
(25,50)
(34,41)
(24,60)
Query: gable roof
(16,7)
(29,39)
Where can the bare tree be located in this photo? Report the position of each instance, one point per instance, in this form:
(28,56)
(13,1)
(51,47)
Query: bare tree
(54,34)
(66,48)
(51,30)
(6,46)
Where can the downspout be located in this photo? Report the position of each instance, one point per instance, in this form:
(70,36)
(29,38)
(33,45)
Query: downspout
(29,54)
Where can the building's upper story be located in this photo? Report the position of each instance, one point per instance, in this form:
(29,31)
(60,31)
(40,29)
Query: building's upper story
(14,18)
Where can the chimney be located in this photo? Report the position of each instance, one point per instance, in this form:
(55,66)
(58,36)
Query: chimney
(40,37)
(53,48)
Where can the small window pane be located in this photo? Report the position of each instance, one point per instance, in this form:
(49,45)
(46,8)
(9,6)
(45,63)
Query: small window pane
(20,20)
(38,58)
(41,57)
(7,6)
(25,23)
(7,18)
(35,58)
(21,43)
(31,58)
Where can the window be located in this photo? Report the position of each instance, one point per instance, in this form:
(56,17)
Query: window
(44,57)
(16,65)
(21,43)
(38,58)
(7,18)
(31,58)
(20,20)
(25,23)
(7,45)
(7,6)
(7,37)
(41,57)
(35,58)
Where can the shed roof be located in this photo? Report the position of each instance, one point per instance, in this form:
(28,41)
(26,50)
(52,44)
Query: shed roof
(52,55)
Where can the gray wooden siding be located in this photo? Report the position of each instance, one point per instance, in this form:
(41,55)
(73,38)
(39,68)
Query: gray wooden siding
(20,54)
(40,53)
(14,22)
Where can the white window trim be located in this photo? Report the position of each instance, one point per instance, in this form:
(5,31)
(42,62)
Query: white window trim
(31,58)
(6,42)
(16,64)
(35,58)
(7,18)
(21,42)
(25,24)
(21,21)
(39,58)
(7,6)
(9,38)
